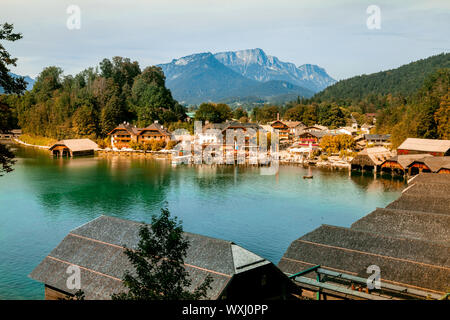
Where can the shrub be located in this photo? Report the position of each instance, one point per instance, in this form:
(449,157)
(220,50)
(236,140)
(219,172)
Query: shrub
(158,144)
(171,144)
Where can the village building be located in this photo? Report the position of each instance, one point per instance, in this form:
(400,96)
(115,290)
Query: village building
(295,128)
(377,140)
(370,159)
(284,132)
(312,138)
(124,134)
(407,241)
(412,164)
(15,133)
(365,128)
(287,130)
(399,164)
(73,148)
(97,248)
(315,127)
(351,131)
(422,146)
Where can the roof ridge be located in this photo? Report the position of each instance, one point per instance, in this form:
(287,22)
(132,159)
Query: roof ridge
(370,233)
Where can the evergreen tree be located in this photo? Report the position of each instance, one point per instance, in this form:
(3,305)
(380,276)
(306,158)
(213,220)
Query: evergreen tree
(159,264)
(9,85)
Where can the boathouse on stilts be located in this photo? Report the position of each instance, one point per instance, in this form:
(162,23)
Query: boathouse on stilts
(73,148)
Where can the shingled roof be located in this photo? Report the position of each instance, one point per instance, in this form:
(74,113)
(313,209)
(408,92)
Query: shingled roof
(372,156)
(425,145)
(409,240)
(97,248)
(76,144)
(436,163)
(403,261)
(157,127)
(407,159)
(425,202)
(407,224)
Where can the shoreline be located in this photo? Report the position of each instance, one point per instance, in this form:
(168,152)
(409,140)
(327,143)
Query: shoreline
(166,154)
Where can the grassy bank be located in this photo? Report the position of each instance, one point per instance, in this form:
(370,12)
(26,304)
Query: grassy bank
(37,140)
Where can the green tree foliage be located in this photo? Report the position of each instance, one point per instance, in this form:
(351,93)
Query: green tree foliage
(424,115)
(299,112)
(239,113)
(266,113)
(6,159)
(332,116)
(93,102)
(83,122)
(9,85)
(335,144)
(214,113)
(150,96)
(159,272)
(404,81)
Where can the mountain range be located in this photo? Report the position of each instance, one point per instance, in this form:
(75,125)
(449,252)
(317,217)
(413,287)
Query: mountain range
(241,75)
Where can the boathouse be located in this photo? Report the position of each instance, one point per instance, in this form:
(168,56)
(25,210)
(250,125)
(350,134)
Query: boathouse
(73,148)
(408,242)
(422,146)
(370,159)
(97,249)
(413,164)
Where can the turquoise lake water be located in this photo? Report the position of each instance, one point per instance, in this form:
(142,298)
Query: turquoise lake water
(44,198)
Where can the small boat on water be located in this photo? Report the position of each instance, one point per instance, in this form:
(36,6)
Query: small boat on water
(309,175)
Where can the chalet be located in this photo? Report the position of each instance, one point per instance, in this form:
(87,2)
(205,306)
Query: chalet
(311,138)
(73,148)
(97,248)
(377,139)
(295,128)
(284,131)
(124,134)
(422,146)
(153,131)
(407,240)
(315,127)
(370,159)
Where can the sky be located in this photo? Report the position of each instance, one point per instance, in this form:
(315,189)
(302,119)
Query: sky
(330,33)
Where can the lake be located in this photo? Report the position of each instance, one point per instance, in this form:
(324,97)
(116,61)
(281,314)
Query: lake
(44,198)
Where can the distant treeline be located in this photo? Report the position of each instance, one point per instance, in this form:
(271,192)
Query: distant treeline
(93,102)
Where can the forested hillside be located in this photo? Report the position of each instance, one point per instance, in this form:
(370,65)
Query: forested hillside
(94,101)
(425,114)
(404,81)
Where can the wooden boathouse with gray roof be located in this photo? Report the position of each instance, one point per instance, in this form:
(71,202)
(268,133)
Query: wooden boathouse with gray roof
(409,241)
(73,148)
(97,247)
